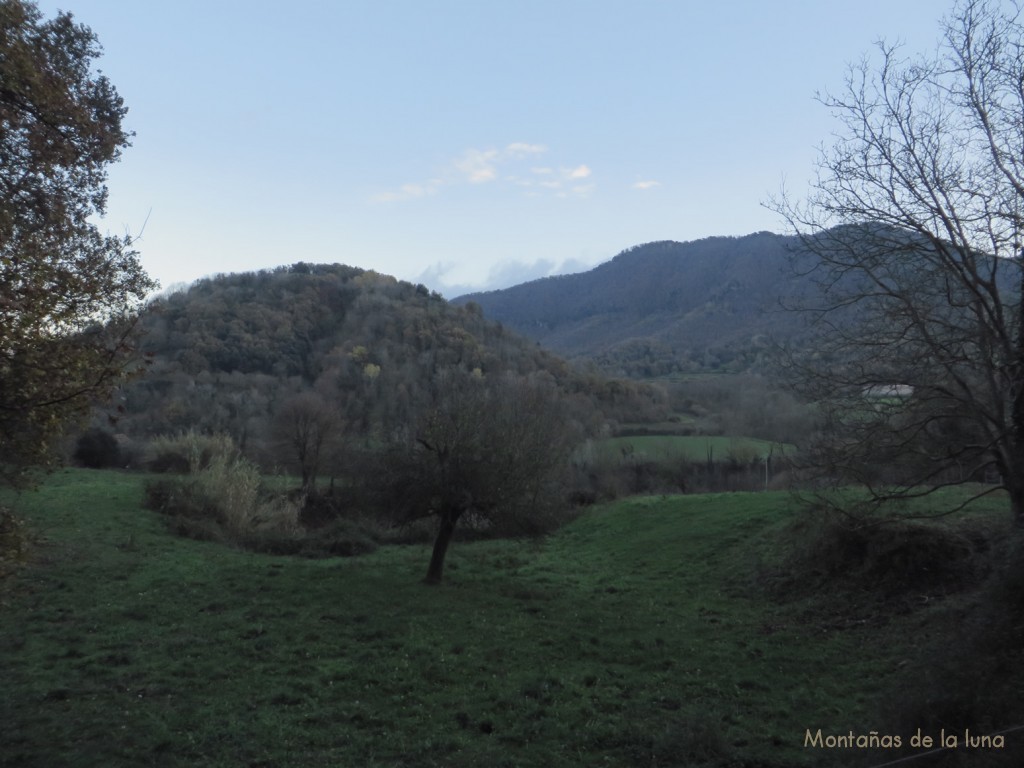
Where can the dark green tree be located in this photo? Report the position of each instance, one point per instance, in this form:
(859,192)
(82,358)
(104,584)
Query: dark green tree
(67,292)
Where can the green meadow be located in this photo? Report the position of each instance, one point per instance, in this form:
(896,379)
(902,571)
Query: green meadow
(692,448)
(648,632)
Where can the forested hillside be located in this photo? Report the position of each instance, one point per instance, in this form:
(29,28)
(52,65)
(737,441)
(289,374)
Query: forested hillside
(661,307)
(232,353)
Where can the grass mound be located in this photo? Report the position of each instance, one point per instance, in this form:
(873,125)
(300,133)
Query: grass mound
(948,595)
(885,559)
(968,668)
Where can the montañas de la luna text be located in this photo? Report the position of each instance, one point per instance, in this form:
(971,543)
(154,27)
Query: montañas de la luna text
(877,740)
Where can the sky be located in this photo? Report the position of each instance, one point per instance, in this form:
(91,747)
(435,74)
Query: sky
(467,144)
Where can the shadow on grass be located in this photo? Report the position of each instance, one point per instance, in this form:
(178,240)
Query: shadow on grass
(959,587)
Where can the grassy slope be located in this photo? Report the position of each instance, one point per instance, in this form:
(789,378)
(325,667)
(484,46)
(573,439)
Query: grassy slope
(635,636)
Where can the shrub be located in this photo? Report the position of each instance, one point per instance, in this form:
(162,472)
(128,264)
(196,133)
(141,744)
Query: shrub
(221,494)
(97,449)
(188,452)
(881,559)
(340,537)
(13,542)
(231,486)
(175,497)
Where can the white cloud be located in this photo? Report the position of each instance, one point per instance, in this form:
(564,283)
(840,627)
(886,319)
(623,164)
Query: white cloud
(480,166)
(651,184)
(509,272)
(522,149)
(561,181)
(573,266)
(442,277)
(408,192)
(453,279)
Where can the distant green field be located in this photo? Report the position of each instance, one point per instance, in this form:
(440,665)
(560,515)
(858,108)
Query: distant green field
(636,636)
(661,448)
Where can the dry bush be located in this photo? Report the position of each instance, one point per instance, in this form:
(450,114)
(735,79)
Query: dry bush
(14,542)
(221,488)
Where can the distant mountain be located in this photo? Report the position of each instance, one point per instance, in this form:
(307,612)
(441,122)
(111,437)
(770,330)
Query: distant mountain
(661,307)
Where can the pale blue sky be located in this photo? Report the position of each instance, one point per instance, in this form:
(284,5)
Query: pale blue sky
(467,143)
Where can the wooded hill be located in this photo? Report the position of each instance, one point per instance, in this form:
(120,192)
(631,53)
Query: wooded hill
(663,307)
(229,352)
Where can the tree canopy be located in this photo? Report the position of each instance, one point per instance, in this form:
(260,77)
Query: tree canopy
(230,351)
(67,292)
(492,449)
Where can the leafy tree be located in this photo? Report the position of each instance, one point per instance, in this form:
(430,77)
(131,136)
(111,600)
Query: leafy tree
(67,292)
(494,451)
(914,230)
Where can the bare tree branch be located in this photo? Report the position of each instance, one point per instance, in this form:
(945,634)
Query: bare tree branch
(913,233)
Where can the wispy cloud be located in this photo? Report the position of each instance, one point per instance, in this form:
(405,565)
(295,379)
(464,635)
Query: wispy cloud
(452,279)
(409,192)
(562,182)
(521,149)
(651,184)
(476,166)
(580,190)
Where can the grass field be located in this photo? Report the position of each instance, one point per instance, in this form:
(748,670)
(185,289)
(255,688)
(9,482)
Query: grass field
(639,635)
(695,448)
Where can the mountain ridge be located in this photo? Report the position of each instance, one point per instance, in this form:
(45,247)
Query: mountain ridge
(659,307)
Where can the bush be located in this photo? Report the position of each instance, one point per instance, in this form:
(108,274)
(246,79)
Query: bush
(873,562)
(339,538)
(188,452)
(14,542)
(221,496)
(176,498)
(97,449)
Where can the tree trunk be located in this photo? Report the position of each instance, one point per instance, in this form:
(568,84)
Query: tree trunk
(444,538)
(1014,484)
(1017,506)
(1012,477)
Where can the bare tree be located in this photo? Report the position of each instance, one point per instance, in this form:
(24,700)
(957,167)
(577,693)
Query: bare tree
(492,450)
(307,424)
(914,232)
